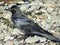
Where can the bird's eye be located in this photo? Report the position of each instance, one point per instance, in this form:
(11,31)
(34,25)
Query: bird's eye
(15,17)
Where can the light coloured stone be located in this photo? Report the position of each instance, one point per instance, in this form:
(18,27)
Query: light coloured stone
(50,10)
(40,44)
(17,42)
(1,9)
(7,15)
(1,15)
(1,36)
(24,7)
(43,23)
(1,43)
(9,43)
(1,2)
(31,39)
(43,10)
(43,17)
(41,39)
(20,2)
(8,38)
(16,31)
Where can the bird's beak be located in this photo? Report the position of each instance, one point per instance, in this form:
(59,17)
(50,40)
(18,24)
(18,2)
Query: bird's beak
(9,9)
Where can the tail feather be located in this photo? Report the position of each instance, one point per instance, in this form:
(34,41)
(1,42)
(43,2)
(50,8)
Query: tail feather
(50,37)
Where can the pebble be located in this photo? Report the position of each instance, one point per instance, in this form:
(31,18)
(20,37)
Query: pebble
(41,39)
(24,7)
(1,36)
(1,43)
(20,2)
(1,9)
(50,10)
(8,38)
(31,39)
(7,15)
(1,3)
(9,43)
(17,42)
(16,31)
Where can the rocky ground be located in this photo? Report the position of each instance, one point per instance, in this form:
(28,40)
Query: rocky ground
(44,12)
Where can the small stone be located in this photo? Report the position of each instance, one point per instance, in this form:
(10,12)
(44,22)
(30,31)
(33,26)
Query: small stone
(43,10)
(40,44)
(1,36)
(24,7)
(41,39)
(52,43)
(7,15)
(1,3)
(9,43)
(1,15)
(8,38)
(16,31)
(1,9)
(43,23)
(50,10)
(59,12)
(48,24)
(17,42)
(31,39)
(1,43)
(34,6)
(20,2)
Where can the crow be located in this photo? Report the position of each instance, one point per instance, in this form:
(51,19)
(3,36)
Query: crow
(27,26)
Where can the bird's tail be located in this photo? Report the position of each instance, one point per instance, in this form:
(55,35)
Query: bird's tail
(50,37)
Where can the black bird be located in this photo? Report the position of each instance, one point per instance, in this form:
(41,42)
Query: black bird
(27,26)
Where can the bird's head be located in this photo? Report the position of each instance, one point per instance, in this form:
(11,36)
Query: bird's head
(13,9)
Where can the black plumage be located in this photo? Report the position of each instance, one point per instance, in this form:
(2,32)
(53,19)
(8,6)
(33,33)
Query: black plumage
(27,26)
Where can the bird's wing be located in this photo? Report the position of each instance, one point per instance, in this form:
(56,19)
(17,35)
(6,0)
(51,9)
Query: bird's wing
(25,23)
(33,29)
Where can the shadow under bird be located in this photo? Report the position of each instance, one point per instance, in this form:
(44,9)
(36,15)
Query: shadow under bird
(27,26)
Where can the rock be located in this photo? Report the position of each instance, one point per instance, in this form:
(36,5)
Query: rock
(1,9)
(20,2)
(59,11)
(1,15)
(43,23)
(43,10)
(16,32)
(1,3)
(8,38)
(24,7)
(52,43)
(1,36)
(1,43)
(40,44)
(17,42)
(31,39)
(9,43)
(34,6)
(50,1)
(50,10)
(7,15)
(41,39)
(48,24)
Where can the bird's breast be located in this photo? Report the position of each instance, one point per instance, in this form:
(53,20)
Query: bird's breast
(20,22)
